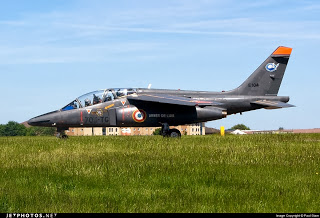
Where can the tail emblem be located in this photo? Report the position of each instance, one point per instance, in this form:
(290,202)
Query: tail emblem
(271,67)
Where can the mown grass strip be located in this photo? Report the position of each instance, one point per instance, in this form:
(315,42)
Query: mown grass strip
(257,173)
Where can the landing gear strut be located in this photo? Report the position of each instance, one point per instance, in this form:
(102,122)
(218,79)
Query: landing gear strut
(167,132)
(60,133)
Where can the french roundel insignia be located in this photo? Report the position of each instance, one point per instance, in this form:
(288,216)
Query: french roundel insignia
(139,115)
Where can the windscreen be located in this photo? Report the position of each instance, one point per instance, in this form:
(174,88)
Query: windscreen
(97,97)
(72,105)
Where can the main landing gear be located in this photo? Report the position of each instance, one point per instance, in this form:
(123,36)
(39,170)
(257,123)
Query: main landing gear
(61,133)
(167,132)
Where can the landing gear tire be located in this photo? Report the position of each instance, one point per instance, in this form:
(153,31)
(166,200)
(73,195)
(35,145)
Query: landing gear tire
(174,133)
(64,137)
(61,134)
(167,132)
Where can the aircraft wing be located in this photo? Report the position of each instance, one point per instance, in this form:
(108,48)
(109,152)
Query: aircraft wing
(272,104)
(170,99)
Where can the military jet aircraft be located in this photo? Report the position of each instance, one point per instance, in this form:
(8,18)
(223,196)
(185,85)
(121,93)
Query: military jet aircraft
(145,107)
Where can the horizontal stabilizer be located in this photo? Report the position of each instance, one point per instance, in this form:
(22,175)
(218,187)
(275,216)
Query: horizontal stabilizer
(168,99)
(272,104)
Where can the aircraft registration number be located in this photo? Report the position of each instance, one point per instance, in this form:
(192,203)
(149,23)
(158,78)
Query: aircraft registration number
(96,119)
(253,85)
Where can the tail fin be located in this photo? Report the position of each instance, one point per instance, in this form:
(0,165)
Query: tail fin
(266,79)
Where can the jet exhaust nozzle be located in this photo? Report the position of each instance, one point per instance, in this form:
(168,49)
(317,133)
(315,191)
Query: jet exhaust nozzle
(210,113)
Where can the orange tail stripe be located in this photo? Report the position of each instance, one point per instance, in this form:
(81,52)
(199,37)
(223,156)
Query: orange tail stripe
(282,51)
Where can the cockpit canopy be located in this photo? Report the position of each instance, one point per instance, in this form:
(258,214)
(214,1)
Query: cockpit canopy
(98,97)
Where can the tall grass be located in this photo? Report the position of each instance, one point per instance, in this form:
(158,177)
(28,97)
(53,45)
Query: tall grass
(257,173)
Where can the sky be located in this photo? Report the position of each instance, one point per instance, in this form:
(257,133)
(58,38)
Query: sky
(54,51)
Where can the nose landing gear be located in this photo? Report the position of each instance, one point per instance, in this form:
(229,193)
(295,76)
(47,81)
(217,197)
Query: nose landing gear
(61,133)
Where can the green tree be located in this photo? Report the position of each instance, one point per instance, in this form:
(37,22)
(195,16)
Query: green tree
(40,131)
(240,127)
(2,130)
(157,131)
(13,128)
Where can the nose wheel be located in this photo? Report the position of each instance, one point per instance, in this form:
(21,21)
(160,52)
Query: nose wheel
(61,133)
(167,132)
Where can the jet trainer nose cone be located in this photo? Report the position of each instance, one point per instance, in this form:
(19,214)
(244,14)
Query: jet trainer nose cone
(38,121)
(30,122)
(43,120)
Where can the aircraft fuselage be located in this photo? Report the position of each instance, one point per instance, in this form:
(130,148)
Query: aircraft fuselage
(134,107)
(120,112)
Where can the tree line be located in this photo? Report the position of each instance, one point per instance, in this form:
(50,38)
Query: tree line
(13,128)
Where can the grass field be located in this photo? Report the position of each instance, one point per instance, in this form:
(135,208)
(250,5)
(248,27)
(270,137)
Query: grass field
(256,173)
